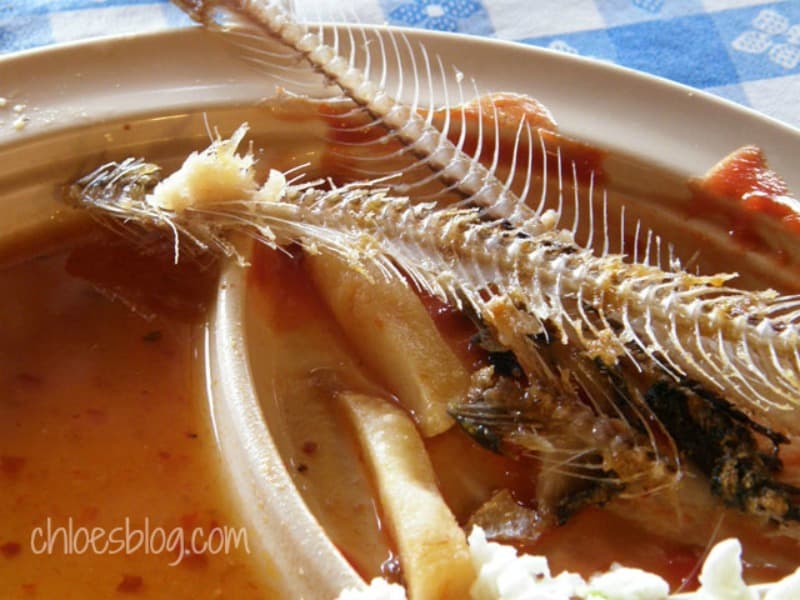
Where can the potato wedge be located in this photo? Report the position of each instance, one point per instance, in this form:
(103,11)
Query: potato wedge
(432,547)
(395,336)
(299,359)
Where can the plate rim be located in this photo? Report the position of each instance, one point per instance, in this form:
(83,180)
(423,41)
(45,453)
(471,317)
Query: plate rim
(547,54)
(674,126)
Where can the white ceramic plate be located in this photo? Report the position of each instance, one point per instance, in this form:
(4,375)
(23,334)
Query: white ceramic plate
(79,97)
(76,84)
(71,91)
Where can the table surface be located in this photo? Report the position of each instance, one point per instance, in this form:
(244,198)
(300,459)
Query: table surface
(747,51)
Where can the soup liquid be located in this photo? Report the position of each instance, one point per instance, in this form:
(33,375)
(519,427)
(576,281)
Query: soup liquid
(103,424)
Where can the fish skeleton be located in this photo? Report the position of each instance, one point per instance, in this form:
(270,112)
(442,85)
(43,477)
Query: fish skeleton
(741,344)
(447,160)
(515,268)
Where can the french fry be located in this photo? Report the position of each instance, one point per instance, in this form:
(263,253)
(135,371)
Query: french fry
(432,547)
(396,337)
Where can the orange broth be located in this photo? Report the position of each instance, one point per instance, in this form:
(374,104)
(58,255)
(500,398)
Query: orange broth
(103,420)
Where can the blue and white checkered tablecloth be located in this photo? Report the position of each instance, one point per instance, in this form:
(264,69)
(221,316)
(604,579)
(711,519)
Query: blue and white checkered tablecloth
(744,50)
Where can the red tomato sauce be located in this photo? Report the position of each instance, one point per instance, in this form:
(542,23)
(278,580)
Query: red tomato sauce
(739,187)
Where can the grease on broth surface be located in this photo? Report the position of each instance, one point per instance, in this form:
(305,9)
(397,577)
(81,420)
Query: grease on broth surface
(103,419)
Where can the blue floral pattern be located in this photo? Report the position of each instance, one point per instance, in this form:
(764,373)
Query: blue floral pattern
(442,15)
(774,36)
